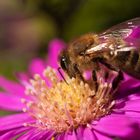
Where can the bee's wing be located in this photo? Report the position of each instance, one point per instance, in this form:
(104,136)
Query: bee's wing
(129,31)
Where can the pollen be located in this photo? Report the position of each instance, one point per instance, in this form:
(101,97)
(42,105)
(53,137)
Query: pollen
(60,106)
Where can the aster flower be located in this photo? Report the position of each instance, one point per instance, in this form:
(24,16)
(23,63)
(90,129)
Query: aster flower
(49,108)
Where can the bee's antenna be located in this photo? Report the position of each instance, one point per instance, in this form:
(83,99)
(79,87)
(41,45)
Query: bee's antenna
(62,75)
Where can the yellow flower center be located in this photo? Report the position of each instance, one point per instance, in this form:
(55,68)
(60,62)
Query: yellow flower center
(57,105)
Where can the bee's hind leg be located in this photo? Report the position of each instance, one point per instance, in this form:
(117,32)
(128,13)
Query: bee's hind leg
(117,80)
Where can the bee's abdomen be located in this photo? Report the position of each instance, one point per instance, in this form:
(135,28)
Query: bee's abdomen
(129,62)
(132,59)
(123,57)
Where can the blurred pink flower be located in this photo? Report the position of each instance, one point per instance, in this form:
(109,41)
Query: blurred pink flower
(122,121)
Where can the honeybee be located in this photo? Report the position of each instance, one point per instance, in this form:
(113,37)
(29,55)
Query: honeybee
(118,48)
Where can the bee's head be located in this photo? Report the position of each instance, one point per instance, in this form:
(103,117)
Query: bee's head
(64,61)
(66,64)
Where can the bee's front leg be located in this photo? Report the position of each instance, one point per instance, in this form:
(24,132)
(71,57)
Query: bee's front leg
(94,78)
(77,73)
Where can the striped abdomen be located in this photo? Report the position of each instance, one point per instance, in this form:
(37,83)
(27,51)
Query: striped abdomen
(129,62)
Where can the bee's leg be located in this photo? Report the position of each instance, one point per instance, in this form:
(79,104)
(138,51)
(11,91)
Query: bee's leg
(94,77)
(109,66)
(77,72)
(117,80)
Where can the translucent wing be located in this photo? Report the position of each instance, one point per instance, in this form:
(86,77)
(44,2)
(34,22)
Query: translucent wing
(129,31)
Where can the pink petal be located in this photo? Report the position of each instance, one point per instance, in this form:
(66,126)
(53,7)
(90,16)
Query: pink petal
(101,136)
(37,134)
(131,105)
(134,115)
(36,66)
(27,135)
(134,97)
(13,133)
(116,125)
(88,134)
(10,102)
(129,86)
(22,76)
(55,47)
(80,131)
(85,133)
(70,136)
(14,121)
(48,135)
(12,87)
(60,136)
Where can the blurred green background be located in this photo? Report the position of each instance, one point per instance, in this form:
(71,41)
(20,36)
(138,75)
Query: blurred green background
(26,26)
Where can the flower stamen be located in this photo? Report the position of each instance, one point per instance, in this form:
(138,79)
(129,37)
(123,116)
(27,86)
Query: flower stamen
(58,106)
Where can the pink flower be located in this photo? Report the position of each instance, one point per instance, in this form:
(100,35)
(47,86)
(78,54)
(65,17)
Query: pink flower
(47,108)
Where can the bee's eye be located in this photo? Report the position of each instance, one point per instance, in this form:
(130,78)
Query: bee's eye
(63,63)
